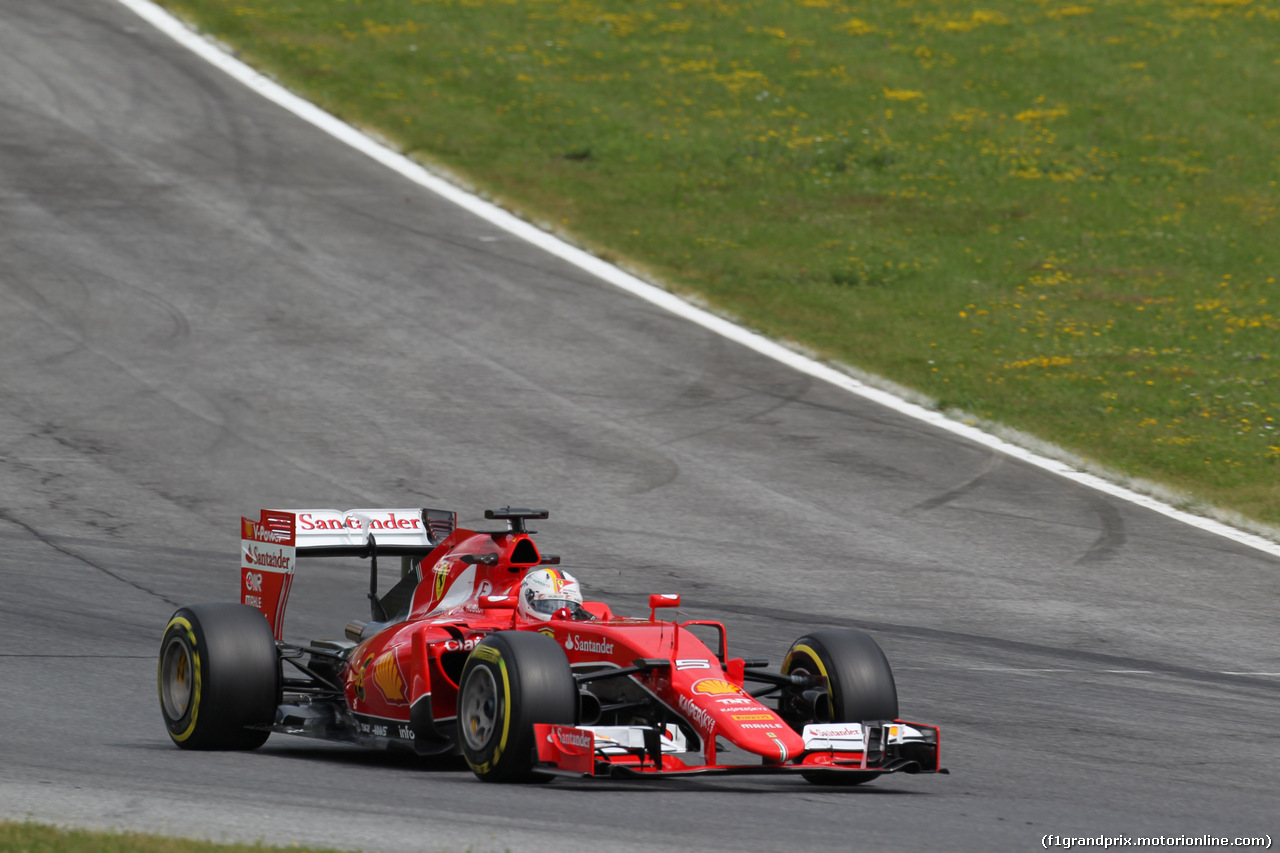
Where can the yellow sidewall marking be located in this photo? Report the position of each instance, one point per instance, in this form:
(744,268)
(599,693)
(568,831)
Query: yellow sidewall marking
(195,667)
(486,653)
(817,661)
(506,713)
(506,709)
(813,656)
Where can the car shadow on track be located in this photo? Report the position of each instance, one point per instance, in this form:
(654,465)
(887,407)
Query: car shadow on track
(451,765)
(356,756)
(455,766)
(771,787)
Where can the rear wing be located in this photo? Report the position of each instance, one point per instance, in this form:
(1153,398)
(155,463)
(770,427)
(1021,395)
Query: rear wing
(271,545)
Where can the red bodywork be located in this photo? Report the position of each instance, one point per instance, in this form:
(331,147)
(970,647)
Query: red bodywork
(400,681)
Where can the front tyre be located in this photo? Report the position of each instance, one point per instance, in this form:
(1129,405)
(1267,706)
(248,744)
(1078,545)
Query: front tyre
(512,680)
(219,674)
(860,687)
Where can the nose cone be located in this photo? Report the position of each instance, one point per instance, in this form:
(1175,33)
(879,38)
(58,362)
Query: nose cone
(742,720)
(758,729)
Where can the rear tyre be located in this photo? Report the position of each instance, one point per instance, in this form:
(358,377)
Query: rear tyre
(219,673)
(860,687)
(512,680)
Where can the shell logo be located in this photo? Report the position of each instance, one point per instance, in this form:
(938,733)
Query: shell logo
(388,678)
(716,686)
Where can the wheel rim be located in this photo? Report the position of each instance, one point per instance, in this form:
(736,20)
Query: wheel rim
(479,708)
(177,683)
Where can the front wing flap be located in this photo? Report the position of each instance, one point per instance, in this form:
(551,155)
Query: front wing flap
(892,746)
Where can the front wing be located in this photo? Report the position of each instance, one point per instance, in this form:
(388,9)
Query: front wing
(872,748)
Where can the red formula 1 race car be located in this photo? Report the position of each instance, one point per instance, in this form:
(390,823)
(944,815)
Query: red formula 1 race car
(483,650)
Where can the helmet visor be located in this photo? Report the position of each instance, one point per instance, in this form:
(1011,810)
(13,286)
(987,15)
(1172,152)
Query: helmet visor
(550,605)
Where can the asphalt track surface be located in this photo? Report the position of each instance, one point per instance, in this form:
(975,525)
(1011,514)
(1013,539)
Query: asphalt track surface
(207,307)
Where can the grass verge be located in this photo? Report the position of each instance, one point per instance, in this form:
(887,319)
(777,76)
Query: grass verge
(1060,216)
(37,838)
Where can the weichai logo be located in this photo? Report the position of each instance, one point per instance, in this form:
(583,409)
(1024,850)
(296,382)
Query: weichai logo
(715,686)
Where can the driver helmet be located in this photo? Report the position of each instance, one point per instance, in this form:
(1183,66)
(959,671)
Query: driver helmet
(544,591)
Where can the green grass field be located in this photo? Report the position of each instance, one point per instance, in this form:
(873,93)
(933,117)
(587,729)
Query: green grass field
(36,838)
(1061,217)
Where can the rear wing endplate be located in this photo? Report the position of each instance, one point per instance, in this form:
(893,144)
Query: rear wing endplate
(271,545)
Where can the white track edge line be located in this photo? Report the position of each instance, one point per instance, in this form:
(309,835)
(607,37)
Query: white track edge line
(215,55)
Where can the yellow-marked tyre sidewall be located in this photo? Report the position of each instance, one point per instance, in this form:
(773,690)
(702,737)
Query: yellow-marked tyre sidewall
(180,629)
(219,677)
(533,683)
(859,682)
(487,761)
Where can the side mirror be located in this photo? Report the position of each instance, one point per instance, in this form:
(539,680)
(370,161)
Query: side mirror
(658,600)
(495,602)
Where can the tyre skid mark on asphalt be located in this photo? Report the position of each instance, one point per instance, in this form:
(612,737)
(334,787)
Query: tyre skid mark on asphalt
(979,643)
(993,462)
(5,516)
(1111,536)
(836,375)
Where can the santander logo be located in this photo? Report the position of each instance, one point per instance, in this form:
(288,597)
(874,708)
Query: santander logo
(267,559)
(599,647)
(310,522)
(582,740)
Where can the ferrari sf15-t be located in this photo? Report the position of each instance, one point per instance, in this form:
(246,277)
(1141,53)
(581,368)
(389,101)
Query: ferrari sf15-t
(463,655)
